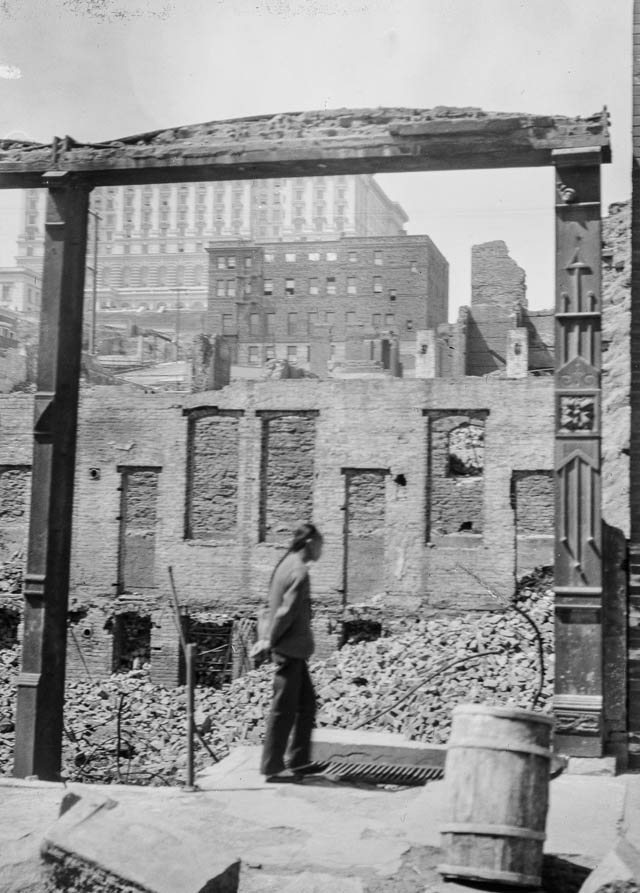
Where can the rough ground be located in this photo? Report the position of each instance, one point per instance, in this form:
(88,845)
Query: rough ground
(127,729)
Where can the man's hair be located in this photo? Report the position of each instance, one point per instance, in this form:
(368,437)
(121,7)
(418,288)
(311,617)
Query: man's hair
(303,534)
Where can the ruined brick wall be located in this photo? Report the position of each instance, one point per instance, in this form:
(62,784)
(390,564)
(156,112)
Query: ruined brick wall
(495,277)
(288,446)
(212,484)
(533,497)
(359,425)
(456,473)
(365,534)
(138,528)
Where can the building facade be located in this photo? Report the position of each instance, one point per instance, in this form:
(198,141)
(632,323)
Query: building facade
(149,249)
(20,289)
(272,300)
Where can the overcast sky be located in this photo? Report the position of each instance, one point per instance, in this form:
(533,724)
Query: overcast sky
(100,69)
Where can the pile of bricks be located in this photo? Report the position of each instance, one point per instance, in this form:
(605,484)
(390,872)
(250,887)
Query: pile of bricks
(127,729)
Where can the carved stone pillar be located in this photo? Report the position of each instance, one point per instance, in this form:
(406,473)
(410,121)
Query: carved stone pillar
(40,700)
(578,567)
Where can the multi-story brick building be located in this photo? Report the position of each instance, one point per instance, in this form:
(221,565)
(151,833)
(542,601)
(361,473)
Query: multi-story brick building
(150,251)
(272,300)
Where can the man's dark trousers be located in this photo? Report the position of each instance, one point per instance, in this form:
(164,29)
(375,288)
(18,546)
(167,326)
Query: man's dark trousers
(293,711)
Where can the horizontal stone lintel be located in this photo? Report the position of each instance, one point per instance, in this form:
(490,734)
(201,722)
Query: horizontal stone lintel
(316,143)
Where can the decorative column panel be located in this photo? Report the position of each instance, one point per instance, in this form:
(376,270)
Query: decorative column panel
(633,640)
(40,703)
(578,545)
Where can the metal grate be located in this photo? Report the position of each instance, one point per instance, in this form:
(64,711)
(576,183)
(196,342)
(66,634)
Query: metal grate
(381,773)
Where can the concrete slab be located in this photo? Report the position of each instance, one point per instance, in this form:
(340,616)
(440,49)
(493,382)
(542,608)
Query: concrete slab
(97,834)
(374,747)
(585,814)
(620,866)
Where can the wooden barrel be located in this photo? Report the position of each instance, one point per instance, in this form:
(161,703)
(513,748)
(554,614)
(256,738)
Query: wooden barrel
(497,774)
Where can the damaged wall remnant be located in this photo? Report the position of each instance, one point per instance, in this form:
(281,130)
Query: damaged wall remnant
(456,465)
(286,497)
(137,528)
(212,474)
(365,533)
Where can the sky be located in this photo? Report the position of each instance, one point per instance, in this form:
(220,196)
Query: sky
(102,69)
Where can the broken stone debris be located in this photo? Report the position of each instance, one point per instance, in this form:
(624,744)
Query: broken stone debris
(126,729)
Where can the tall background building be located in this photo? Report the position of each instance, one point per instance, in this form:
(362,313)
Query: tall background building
(149,251)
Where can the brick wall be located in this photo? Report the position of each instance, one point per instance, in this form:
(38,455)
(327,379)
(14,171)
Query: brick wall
(358,424)
(533,496)
(288,445)
(366,500)
(495,277)
(456,468)
(212,487)
(138,528)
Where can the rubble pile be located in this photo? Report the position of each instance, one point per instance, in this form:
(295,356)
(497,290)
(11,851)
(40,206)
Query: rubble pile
(126,729)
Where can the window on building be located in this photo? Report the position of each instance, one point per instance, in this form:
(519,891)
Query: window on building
(389,319)
(292,323)
(271,324)
(221,288)
(332,255)
(353,257)
(254,354)
(313,287)
(268,258)
(312,320)
(247,287)
(289,287)
(409,324)
(231,288)
(314,255)
(352,287)
(231,262)
(227,323)
(376,320)
(292,353)
(248,262)
(329,317)
(331,285)
(269,351)
(290,258)
(377,285)
(350,317)
(254,323)
(268,287)
(221,263)
(377,258)
(299,195)
(392,294)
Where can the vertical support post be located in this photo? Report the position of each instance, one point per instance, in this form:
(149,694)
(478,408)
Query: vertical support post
(578,701)
(634,441)
(40,701)
(190,661)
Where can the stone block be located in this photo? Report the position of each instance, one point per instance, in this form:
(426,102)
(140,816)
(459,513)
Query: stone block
(619,871)
(591,766)
(104,844)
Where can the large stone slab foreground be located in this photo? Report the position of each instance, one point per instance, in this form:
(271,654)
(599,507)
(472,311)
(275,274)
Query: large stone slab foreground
(619,871)
(98,842)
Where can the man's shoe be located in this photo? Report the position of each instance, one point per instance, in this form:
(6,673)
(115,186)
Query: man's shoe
(287,776)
